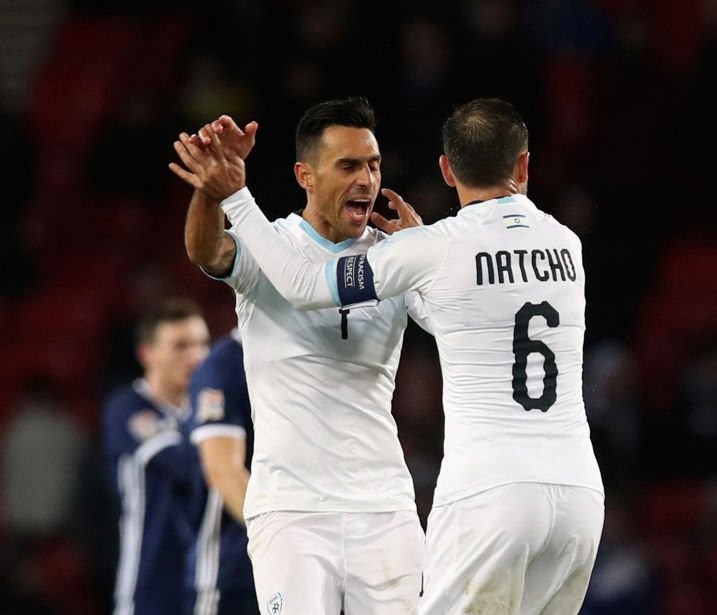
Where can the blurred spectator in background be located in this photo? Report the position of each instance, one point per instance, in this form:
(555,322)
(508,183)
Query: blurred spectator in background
(219,573)
(41,451)
(42,448)
(149,463)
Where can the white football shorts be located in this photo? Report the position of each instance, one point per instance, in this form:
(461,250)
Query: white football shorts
(518,549)
(319,563)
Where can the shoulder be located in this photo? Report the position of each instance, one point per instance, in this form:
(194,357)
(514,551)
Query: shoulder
(125,401)
(225,355)
(222,367)
(127,411)
(559,227)
(289,224)
(225,349)
(419,240)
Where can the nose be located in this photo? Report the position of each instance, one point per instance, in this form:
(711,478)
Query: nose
(364,176)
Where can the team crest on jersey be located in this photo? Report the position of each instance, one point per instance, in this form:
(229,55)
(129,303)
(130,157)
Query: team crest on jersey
(210,405)
(144,424)
(274,605)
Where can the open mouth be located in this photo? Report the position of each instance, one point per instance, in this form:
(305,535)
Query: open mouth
(358,209)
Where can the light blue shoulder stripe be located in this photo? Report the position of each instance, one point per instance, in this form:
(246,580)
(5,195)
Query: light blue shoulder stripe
(325,243)
(236,241)
(330,272)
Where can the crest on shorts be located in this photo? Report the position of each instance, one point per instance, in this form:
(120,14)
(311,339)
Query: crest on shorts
(210,405)
(275,603)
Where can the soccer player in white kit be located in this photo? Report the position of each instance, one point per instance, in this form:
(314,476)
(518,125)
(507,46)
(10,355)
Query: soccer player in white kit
(519,504)
(330,507)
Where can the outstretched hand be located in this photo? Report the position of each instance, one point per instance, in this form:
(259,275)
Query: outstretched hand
(210,168)
(239,141)
(407,216)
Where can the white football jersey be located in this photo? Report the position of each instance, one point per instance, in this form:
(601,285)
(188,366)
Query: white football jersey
(503,288)
(320,385)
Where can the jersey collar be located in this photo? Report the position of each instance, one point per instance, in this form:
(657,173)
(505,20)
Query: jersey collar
(325,243)
(502,200)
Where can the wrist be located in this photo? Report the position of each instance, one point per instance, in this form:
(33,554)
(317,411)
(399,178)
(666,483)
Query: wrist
(235,203)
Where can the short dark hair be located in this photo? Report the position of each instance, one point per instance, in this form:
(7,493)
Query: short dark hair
(482,140)
(169,310)
(355,112)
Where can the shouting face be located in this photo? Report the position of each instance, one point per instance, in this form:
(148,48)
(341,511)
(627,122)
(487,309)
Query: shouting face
(342,177)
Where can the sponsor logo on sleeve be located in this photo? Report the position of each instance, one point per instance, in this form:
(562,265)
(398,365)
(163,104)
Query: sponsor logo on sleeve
(210,405)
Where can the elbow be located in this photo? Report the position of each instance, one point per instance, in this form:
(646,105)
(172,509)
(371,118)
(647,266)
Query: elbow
(196,255)
(213,261)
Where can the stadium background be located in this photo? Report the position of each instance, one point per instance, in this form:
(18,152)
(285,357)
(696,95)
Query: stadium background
(620,98)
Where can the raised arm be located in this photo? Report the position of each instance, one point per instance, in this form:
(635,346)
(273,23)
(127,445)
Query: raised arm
(306,285)
(301,282)
(216,170)
(207,245)
(348,280)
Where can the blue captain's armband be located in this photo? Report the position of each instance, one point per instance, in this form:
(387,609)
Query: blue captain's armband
(354,280)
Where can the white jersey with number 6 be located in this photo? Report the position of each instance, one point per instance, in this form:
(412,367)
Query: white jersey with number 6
(503,287)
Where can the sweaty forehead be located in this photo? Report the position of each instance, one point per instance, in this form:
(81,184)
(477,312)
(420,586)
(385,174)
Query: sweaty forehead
(348,142)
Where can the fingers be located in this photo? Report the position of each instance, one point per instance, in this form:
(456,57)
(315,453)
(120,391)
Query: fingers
(395,201)
(214,137)
(387,226)
(218,145)
(191,146)
(182,147)
(251,128)
(407,216)
(189,178)
(225,123)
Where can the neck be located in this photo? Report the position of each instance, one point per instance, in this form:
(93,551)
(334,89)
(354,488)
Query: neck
(320,225)
(163,392)
(469,195)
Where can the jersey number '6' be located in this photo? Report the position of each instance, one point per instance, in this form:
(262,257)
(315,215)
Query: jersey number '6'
(524,346)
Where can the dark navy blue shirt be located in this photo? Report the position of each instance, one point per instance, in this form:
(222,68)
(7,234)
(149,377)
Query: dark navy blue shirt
(149,463)
(220,407)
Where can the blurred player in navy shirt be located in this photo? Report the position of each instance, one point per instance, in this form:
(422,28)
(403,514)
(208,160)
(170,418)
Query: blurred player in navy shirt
(150,463)
(219,573)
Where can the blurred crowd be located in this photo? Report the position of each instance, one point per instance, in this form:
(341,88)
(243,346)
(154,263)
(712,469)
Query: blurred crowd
(619,97)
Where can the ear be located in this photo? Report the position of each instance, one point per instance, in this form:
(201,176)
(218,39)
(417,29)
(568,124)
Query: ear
(144,352)
(446,170)
(304,176)
(520,172)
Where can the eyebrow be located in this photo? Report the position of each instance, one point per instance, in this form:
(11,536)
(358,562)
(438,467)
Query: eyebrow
(376,158)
